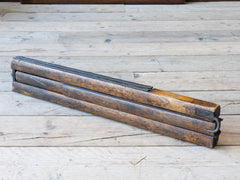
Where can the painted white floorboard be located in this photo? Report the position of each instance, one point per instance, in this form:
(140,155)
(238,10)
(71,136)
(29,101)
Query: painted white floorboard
(191,49)
(120,163)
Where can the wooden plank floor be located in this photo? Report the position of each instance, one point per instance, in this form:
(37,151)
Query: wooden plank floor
(191,49)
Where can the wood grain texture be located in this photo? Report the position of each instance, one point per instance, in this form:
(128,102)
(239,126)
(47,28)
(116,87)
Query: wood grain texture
(121,26)
(153,97)
(141,110)
(117,37)
(219,80)
(17,7)
(210,6)
(164,15)
(123,49)
(25,121)
(133,120)
(120,162)
(20,105)
(123,67)
(87,130)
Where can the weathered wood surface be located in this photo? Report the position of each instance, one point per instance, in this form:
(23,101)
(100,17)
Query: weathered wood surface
(200,6)
(122,67)
(118,37)
(20,105)
(120,163)
(197,81)
(17,7)
(121,26)
(165,15)
(130,119)
(87,130)
(22,62)
(124,49)
(157,114)
(25,121)
(127,90)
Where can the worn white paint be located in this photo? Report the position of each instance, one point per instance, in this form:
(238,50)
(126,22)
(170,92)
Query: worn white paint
(140,64)
(118,37)
(121,26)
(192,49)
(123,49)
(83,8)
(164,15)
(120,163)
(88,130)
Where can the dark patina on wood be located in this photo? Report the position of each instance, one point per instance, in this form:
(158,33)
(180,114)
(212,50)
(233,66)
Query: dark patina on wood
(140,122)
(104,96)
(87,74)
(154,97)
(150,112)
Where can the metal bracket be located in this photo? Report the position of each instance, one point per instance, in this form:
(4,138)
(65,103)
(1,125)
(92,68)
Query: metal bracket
(217,121)
(14,75)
